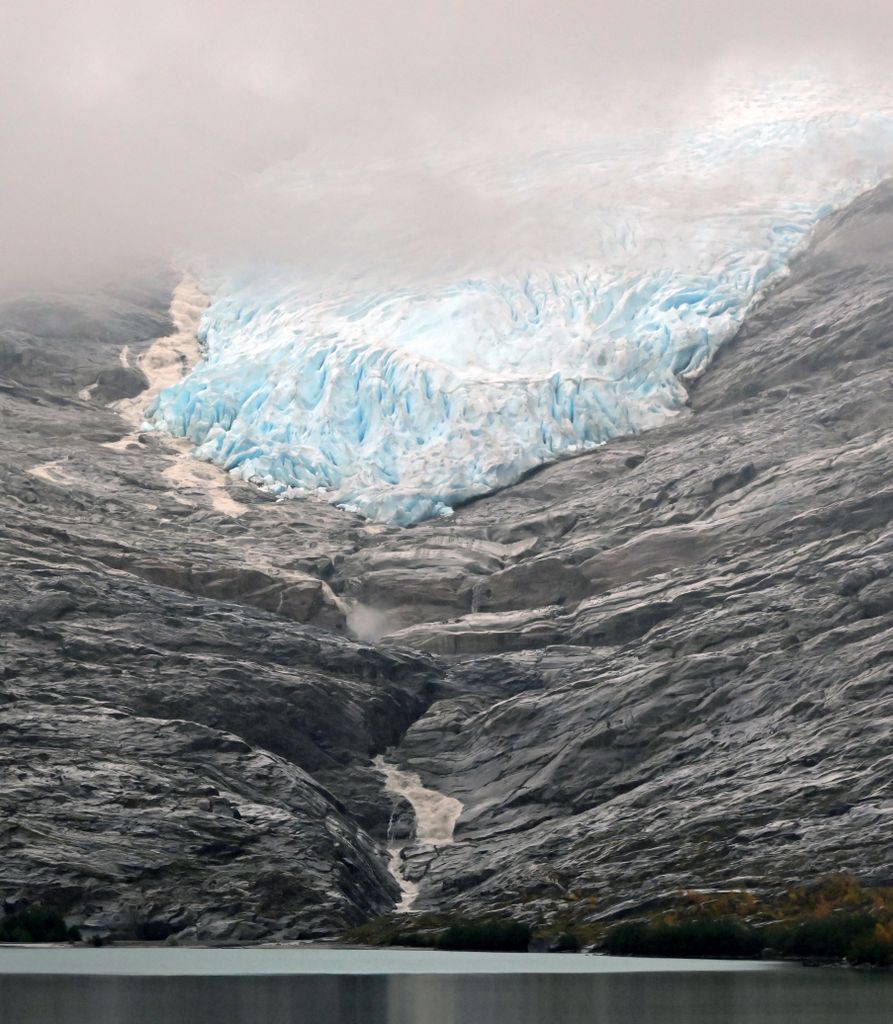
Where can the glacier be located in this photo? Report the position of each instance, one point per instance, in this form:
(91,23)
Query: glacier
(401,402)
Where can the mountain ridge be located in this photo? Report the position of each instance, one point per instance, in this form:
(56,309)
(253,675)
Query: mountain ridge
(661,665)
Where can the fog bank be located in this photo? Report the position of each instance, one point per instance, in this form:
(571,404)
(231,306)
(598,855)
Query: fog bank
(137,132)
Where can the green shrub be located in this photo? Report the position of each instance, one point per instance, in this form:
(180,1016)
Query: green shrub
(503,935)
(416,940)
(566,942)
(36,924)
(631,938)
(858,938)
(825,938)
(721,937)
(875,947)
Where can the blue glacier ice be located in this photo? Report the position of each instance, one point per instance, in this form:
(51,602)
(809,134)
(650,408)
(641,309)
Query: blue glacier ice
(401,402)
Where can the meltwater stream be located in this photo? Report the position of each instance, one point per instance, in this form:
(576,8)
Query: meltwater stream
(435,814)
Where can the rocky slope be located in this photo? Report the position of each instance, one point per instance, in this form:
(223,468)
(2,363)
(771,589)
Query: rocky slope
(662,665)
(703,620)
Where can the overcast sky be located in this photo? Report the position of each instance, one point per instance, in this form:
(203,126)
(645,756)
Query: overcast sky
(130,128)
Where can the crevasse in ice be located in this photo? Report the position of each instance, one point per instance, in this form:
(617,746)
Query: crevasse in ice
(400,403)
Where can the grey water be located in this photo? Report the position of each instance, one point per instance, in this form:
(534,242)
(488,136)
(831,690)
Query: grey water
(344,986)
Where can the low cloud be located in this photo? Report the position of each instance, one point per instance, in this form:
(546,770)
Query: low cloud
(135,132)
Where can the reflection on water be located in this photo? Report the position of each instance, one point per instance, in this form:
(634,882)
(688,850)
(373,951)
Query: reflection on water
(817,996)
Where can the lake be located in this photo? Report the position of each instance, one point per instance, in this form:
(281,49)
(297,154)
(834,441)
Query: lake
(139,985)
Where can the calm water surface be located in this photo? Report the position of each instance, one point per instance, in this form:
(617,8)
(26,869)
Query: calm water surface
(293,986)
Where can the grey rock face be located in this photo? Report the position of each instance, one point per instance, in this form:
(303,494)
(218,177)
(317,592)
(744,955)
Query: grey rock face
(702,620)
(185,748)
(665,664)
(151,827)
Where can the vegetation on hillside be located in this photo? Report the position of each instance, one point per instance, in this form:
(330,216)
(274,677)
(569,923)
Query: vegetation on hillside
(36,924)
(491,934)
(834,919)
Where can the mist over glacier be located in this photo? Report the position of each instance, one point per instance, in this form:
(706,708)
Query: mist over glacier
(400,395)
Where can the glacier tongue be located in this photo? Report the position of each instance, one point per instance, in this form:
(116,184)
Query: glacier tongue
(401,403)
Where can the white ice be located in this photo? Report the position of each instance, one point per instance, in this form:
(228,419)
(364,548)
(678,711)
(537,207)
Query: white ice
(401,402)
